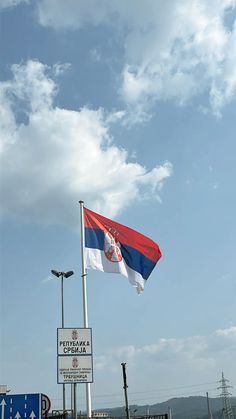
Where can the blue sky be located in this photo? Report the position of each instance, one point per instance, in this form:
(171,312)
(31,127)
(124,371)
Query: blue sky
(129,106)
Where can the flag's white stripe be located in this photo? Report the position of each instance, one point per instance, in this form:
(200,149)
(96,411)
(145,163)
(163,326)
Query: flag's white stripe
(96,259)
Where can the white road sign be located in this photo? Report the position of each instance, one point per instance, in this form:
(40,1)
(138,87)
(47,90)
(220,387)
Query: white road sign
(74,341)
(74,355)
(75,369)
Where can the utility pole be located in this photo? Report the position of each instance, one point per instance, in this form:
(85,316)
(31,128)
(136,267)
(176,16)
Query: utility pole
(208,407)
(125,390)
(225,394)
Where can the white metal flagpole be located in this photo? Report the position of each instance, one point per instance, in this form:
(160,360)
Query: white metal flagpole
(85,305)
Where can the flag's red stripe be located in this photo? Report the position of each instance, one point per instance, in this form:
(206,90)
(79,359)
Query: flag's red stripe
(124,234)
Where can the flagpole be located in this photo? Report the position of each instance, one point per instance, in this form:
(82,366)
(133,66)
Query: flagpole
(85,305)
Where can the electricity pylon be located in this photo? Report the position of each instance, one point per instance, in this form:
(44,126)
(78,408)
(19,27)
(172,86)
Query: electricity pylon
(225,394)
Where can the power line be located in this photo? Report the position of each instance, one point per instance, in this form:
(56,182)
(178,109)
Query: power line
(147,399)
(156,390)
(168,394)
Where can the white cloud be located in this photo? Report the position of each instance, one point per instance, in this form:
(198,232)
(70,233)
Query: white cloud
(198,358)
(4,4)
(60,68)
(173,49)
(58,156)
(228,333)
(48,278)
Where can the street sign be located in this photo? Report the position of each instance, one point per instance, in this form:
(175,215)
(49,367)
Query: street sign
(74,355)
(45,404)
(20,406)
(74,341)
(75,369)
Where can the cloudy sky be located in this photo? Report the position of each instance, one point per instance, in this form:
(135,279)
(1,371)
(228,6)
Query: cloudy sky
(129,106)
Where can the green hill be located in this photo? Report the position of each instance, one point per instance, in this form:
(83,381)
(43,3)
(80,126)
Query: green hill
(193,407)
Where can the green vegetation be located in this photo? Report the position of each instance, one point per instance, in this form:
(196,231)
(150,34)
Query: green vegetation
(182,408)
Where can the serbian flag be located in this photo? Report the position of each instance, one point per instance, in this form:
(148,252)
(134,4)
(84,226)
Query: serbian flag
(113,247)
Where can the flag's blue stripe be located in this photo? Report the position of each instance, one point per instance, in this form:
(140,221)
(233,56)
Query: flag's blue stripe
(137,261)
(94,239)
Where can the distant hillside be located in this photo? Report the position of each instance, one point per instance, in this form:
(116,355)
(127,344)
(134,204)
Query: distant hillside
(182,408)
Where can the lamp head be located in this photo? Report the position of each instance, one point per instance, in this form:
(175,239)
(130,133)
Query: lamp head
(62,274)
(69,273)
(56,273)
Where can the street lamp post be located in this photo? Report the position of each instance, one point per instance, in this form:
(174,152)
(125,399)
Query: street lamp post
(62,275)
